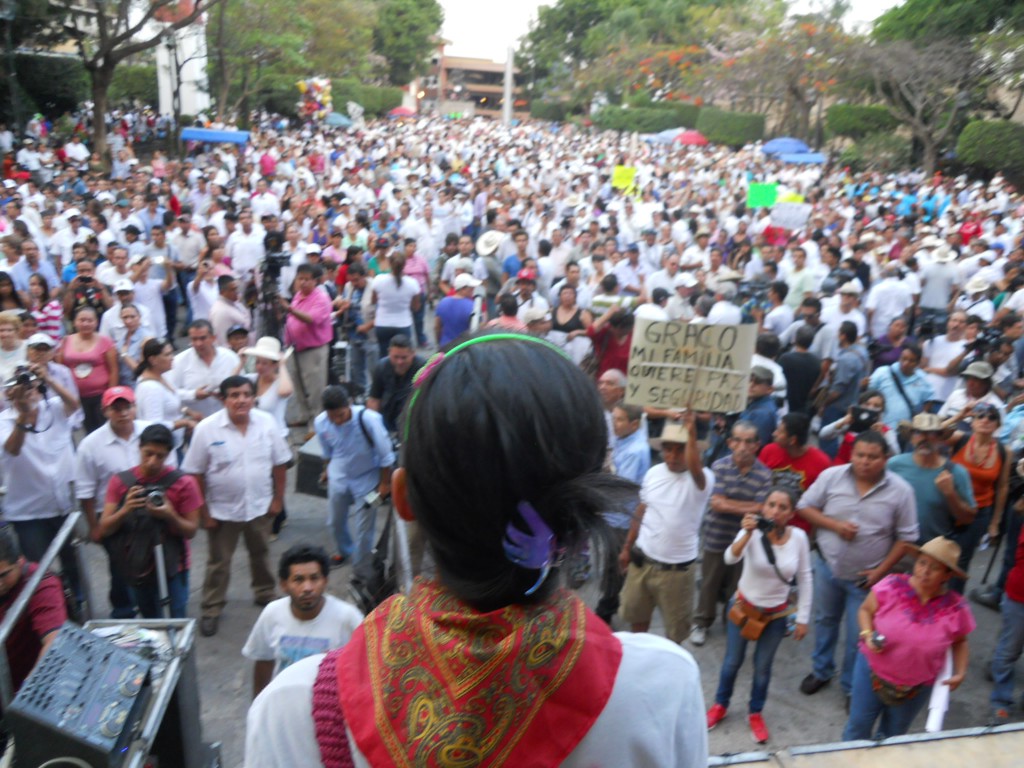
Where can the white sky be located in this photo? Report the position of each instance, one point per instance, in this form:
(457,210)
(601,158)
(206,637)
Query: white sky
(486,30)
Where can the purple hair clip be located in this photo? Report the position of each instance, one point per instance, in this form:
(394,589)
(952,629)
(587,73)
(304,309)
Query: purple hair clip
(535,550)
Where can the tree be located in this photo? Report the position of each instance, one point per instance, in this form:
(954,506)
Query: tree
(405,35)
(925,21)
(341,37)
(926,88)
(249,40)
(107,32)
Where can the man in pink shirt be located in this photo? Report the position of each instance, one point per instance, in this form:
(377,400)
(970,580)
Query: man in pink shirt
(308,329)
(417,268)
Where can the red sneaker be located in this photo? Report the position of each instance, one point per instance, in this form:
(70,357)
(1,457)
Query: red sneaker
(715,715)
(758,728)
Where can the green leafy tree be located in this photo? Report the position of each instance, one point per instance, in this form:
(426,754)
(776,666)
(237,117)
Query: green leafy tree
(107,32)
(251,41)
(340,37)
(924,21)
(405,35)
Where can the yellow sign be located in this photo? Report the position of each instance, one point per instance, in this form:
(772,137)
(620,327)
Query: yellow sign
(690,365)
(623,176)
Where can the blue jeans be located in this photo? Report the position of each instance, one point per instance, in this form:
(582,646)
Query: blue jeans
(968,538)
(364,520)
(385,334)
(147,597)
(1008,650)
(1011,534)
(185,278)
(764,654)
(865,708)
(360,353)
(34,536)
(833,597)
(417,321)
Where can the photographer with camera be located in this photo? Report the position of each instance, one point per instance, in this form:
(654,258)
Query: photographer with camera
(865,415)
(943,355)
(38,462)
(779,559)
(151,505)
(863,514)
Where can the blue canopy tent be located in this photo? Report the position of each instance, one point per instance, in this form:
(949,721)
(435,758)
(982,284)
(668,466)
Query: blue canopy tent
(814,158)
(338,120)
(784,145)
(208,135)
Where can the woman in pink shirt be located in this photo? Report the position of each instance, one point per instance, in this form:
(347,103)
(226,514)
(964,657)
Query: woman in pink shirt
(908,623)
(417,268)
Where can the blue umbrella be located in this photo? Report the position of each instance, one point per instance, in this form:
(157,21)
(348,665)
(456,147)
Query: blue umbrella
(784,146)
(338,120)
(815,158)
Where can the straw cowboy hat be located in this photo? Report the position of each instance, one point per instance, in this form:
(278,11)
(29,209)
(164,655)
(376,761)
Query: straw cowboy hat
(946,551)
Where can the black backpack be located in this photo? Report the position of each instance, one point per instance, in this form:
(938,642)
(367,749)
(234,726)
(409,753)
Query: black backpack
(131,547)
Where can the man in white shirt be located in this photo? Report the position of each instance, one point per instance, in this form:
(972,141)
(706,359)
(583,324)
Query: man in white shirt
(888,299)
(849,298)
(245,246)
(197,372)
(38,464)
(305,622)
(942,355)
(662,544)
(240,458)
(227,311)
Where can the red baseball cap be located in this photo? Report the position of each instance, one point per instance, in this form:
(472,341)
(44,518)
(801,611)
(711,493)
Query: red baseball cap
(527,274)
(117,393)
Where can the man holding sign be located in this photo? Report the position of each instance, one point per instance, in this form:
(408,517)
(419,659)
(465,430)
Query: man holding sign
(662,543)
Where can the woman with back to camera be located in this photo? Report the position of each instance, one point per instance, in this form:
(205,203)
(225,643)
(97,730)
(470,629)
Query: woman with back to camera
(764,586)
(492,659)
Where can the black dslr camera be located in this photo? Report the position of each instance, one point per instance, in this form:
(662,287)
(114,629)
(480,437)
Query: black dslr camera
(764,525)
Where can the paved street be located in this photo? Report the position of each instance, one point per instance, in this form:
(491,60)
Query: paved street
(793,719)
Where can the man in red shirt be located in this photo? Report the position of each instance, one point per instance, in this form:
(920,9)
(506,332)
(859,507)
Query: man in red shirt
(1011,640)
(37,627)
(794,464)
(611,335)
(310,331)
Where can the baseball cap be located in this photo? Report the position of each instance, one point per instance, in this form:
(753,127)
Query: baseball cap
(535,314)
(526,274)
(465,281)
(237,329)
(40,339)
(124,284)
(117,393)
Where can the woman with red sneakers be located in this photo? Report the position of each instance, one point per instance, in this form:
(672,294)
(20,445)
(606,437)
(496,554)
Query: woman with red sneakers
(778,558)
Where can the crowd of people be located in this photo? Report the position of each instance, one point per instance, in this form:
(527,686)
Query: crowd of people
(189,318)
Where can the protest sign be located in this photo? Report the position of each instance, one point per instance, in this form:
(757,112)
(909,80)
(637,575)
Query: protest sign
(762,195)
(690,365)
(623,176)
(791,215)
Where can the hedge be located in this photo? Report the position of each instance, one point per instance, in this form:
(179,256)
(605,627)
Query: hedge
(884,152)
(993,145)
(855,121)
(733,129)
(555,111)
(647,119)
(279,94)
(135,83)
(49,84)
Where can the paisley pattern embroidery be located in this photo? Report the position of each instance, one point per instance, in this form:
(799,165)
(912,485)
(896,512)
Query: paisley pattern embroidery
(456,688)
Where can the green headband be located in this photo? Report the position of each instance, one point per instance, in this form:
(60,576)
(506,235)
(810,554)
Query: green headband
(435,362)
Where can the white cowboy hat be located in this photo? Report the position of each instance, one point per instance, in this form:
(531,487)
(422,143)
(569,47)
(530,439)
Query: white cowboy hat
(266,347)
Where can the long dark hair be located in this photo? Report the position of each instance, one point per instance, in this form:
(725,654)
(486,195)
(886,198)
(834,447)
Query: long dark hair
(150,349)
(397,267)
(536,433)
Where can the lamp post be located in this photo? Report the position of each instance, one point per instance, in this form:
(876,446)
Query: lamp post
(8,12)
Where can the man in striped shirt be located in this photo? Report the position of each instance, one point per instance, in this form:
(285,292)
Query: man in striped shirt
(741,483)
